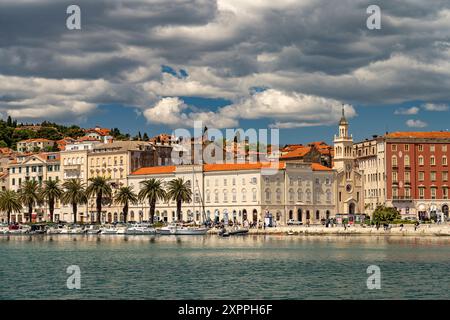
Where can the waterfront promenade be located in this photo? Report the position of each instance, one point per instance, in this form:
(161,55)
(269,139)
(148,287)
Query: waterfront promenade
(406,230)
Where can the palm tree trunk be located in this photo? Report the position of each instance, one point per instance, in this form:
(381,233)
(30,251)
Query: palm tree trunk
(99,206)
(30,212)
(179,210)
(51,208)
(152,210)
(74,211)
(125,212)
(9,217)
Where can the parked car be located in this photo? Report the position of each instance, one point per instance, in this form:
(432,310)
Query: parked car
(292,222)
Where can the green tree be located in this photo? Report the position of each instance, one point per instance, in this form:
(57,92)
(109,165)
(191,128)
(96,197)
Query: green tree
(100,189)
(385,214)
(30,195)
(10,202)
(152,190)
(145,137)
(74,194)
(179,191)
(124,196)
(51,192)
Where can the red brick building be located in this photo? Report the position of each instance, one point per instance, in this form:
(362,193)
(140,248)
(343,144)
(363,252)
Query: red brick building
(417,173)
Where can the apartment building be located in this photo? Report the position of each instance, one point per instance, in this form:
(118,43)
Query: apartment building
(38,167)
(35,145)
(370,160)
(417,173)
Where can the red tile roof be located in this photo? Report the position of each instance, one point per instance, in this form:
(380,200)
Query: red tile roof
(242,166)
(419,134)
(296,153)
(319,167)
(154,170)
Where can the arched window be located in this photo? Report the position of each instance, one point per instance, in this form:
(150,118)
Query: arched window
(328,195)
(278,193)
(216,196)
(407,162)
(268,195)
(291,195)
(299,195)
(308,195)
(244,195)
(317,215)
(291,215)
(254,195)
(421,162)
(394,161)
(225,195)
(208,196)
(233,195)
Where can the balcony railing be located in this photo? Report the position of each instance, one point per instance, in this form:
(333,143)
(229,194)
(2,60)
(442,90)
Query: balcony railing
(402,198)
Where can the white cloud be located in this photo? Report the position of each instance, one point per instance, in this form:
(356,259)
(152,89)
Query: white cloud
(408,111)
(416,123)
(435,107)
(284,109)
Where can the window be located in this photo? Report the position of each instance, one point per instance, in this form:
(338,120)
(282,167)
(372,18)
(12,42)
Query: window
(444,148)
(407,193)
(394,147)
(244,195)
(445,193)
(394,193)
(224,182)
(254,195)
(420,147)
(433,175)
(421,162)
(208,196)
(328,196)
(406,147)
(421,175)
(394,161)
(216,196)
(308,195)
(291,195)
(13,181)
(432,161)
(433,193)
(407,162)
(445,176)
(233,192)
(421,193)
(432,148)
(299,195)
(268,195)
(394,177)
(407,176)
(278,193)
(444,160)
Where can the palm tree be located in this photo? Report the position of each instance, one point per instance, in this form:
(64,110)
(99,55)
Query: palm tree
(124,196)
(152,190)
(30,194)
(10,202)
(99,188)
(179,191)
(51,192)
(74,194)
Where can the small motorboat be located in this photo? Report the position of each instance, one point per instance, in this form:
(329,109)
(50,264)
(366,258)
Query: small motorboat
(180,230)
(93,229)
(110,230)
(140,229)
(234,232)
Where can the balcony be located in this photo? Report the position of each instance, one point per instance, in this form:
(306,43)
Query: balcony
(402,199)
(395,182)
(75,167)
(395,166)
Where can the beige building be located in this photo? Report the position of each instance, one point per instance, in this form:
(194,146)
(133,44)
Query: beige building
(38,167)
(35,145)
(242,192)
(370,159)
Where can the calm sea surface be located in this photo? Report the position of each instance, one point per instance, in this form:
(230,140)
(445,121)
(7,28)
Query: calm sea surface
(248,267)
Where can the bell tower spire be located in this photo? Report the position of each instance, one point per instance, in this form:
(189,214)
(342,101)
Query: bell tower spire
(343,144)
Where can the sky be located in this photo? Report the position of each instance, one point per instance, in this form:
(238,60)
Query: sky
(158,65)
